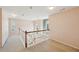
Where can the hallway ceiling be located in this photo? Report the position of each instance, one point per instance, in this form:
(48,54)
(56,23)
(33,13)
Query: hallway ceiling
(34,12)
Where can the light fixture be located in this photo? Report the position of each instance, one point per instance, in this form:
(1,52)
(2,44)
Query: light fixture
(51,8)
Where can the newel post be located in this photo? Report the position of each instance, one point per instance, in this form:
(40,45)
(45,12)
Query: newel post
(26,39)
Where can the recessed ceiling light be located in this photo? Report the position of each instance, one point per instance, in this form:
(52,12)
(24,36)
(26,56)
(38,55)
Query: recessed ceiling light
(50,8)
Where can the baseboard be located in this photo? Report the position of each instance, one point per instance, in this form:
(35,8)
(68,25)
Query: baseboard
(75,48)
(4,42)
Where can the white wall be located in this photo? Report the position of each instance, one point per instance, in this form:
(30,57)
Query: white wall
(0,27)
(64,27)
(25,25)
(4,26)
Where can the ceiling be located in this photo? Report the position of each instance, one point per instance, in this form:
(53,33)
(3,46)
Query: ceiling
(34,12)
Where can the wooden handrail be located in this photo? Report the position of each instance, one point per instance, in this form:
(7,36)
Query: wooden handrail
(33,31)
(26,33)
(38,31)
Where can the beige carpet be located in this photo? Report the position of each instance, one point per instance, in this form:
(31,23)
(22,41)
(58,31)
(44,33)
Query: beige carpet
(13,44)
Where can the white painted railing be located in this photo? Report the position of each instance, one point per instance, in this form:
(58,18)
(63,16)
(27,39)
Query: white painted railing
(22,36)
(36,37)
(33,37)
